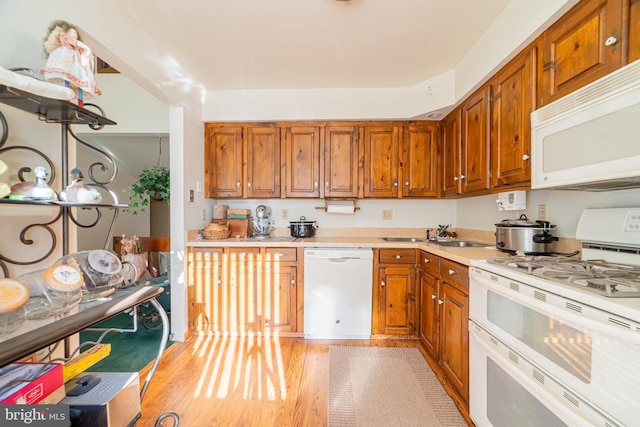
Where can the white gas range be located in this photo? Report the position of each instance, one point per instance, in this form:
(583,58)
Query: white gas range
(556,340)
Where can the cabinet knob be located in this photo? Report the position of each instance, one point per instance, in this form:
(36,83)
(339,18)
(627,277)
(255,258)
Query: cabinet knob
(382,283)
(249,184)
(238,184)
(293,282)
(452,272)
(455,178)
(525,157)
(433,297)
(395,184)
(427,260)
(326,184)
(611,41)
(440,302)
(398,257)
(462,177)
(316,185)
(406,183)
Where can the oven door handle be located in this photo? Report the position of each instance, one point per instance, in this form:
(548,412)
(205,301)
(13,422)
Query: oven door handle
(615,329)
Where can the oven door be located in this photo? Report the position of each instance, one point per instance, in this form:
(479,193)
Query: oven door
(508,390)
(591,352)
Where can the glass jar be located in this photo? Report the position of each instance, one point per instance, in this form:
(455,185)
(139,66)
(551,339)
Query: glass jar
(13,296)
(100,269)
(52,291)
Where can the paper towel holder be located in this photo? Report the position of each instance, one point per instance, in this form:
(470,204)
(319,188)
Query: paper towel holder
(329,200)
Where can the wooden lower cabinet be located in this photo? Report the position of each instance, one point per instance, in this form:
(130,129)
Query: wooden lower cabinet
(394,292)
(242,289)
(444,317)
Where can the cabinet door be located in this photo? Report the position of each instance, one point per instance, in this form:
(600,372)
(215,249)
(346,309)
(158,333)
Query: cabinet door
(263,161)
(205,289)
(341,161)
(451,140)
(512,101)
(381,146)
(397,300)
(223,161)
(419,160)
(279,297)
(429,313)
(475,142)
(574,49)
(243,290)
(302,161)
(633,30)
(454,338)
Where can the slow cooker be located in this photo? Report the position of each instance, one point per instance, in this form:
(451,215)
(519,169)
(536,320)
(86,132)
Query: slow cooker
(303,228)
(526,236)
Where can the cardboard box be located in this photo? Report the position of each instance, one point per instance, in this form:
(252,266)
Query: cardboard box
(85,360)
(34,391)
(238,227)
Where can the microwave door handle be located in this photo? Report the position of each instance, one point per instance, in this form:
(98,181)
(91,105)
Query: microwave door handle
(575,320)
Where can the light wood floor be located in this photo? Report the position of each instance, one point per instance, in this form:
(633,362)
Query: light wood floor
(246,381)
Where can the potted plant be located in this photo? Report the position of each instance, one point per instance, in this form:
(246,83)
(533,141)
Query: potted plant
(153,183)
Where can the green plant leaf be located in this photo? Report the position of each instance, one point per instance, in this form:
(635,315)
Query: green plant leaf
(153,183)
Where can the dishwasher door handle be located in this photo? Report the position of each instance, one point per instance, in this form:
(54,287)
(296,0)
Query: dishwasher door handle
(341,259)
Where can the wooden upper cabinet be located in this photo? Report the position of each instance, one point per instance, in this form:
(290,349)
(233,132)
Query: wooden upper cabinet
(341,161)
(419,160)
(450,134)
(381,152)
(302,161)
(512,101)
(633,30)
(474,171)
(263,161)
(582,46)
(223,161)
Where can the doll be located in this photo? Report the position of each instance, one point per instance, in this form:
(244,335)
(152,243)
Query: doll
(69,60)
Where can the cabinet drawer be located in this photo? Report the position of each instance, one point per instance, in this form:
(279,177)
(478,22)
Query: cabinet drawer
(429,262)
(244,255)
(397,256)
(281,255)
(454,272)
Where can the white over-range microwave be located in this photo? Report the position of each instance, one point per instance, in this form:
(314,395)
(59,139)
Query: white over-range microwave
(590,139)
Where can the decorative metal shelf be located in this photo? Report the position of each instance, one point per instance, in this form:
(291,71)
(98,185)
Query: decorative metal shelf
(56,203)
(51,110)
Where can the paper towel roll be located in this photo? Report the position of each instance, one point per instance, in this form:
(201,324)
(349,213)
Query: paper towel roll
(341,207)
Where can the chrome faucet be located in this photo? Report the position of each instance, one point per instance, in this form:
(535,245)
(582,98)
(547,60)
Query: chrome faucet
(429,230)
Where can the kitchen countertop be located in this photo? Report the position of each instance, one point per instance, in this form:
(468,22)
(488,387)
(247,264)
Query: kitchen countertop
(463,255)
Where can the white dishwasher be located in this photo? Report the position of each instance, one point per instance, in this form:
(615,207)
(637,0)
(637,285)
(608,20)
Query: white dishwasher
(338,286)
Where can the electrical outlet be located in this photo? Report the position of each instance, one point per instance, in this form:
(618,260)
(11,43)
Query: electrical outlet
(542,212)
(285,213)
(387,214)
(203,215)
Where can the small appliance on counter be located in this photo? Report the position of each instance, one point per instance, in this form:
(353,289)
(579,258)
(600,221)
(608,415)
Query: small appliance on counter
(303,228)
(262,224)
(526,236)
(103,399)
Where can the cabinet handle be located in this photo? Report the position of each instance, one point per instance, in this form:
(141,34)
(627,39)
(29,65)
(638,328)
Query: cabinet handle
(440,302)
(395,184)
(249,184)
(326,185)
(611,41)
(455,178)
(238,184)
(427,260)
(279,254)
(462,177)
(433,297)
(293,282)
(398,257)
(406,183)
(315,185)
(382,283)
(525,157)
(452,272)
(244,254)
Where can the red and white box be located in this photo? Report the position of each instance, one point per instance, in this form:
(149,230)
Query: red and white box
(31,392)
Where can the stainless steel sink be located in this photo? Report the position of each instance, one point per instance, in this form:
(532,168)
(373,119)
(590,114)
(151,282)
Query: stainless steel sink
(403,239)
(271,238)
(459,243)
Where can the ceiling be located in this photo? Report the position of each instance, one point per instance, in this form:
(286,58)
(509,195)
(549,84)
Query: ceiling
(303,44)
